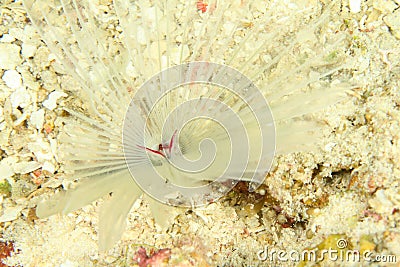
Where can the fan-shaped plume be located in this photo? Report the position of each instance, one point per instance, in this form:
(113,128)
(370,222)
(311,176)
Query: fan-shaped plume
(142,120)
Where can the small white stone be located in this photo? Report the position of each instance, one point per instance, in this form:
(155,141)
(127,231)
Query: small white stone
(26,167)
(31,32)
(164,62)
(363,64)
(131,70)
(37,119)
(9,56)
(52,183)
(20,98)
(262,192)
(28,50)
(51,102)
(12,78)
(48,166)
(329,147)
(10,214)
(17,33)
(6,171)
(41,149)
(53,146)
(7,38)
(21,118)
(355,6)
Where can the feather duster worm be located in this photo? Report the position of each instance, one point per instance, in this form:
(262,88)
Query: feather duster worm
(112,51)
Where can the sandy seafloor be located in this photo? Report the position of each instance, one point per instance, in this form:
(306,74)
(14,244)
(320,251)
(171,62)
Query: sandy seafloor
(349,191)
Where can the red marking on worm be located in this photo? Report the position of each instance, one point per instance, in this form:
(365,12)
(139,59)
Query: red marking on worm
(152,150)
(171,142)
(161,147)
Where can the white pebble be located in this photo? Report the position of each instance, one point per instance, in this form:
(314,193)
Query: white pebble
(28,50)
(6,171)
(17,33)
(328,147)
(20,98)
(48,166)
(12,78)
(355,6)
(53,146)
(131,70)
(7,38)
(37,119)
(26,167)
(21,118)
(51,102)
(41,149)
(9,56)
(31,32)
(10,214)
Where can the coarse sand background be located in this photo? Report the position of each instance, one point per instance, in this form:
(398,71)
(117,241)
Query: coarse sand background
(350,191)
